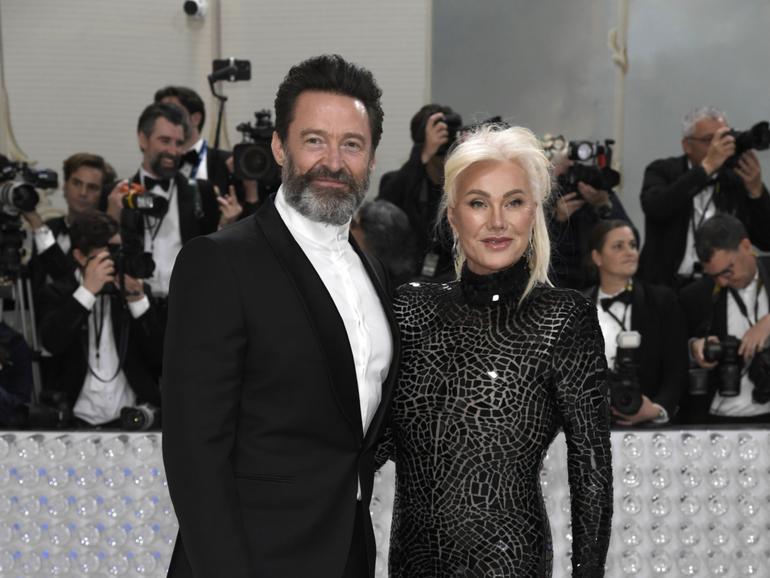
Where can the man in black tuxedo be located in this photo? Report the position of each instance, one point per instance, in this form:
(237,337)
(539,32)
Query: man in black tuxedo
(84,175)
(732,300)
(281,355)
(193,208)
(680,193)
(106,344)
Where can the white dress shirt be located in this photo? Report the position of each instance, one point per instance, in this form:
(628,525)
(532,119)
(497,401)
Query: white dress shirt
(45,239)
(702,209)
(738,325)
(339,267)
(168,239)
(100,400)
(611,328)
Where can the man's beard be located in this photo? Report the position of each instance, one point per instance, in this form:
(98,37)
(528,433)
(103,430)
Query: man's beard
(162,171)
(330,205)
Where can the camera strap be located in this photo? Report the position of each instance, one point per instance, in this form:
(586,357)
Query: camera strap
(621,322)
(98,332)
(742,306)
(201,158)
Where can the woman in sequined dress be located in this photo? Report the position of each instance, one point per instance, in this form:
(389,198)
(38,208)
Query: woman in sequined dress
(493,365)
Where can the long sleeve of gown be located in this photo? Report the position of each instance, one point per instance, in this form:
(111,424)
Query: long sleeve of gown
(581,388)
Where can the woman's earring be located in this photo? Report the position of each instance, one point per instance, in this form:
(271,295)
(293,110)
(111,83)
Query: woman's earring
(529,253)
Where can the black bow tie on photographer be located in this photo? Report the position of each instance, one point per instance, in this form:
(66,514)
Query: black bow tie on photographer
(191,157)
(622,297)
(149,183)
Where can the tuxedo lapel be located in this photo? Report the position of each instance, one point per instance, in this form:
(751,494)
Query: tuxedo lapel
(388,384)
(186,201)
(322,314)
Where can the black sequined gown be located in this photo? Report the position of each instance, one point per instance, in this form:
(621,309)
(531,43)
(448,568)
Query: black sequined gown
(485,384)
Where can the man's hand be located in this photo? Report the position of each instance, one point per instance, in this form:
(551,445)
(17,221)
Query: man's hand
(99,271)
(134,288)
(34,219)
(567,205)
(696,347)
(595,197)
(115,200)
(750,171)
(647,412)
(229,207)
(755,338)
(721,148)
(436,134)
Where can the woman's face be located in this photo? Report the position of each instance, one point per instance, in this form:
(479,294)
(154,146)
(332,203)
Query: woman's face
(493,215)
(619,255)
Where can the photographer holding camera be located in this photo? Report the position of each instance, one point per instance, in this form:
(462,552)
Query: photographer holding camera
(579,206)
(646,379)
(727,318)
(102,328)
(713,176)
(417,187)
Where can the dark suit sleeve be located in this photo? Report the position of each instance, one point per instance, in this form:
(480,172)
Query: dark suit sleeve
(409,177)
(665,195)
(201,388)
(757,220)
(62,317)
(580,372)
(673,348)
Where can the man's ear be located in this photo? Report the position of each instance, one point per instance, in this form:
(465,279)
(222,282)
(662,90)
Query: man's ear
(596,258)
(143,141)
(80,257)
(195,119)
(277,147)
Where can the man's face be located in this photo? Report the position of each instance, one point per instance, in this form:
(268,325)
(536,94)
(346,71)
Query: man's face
(697,145)
(82,189)
(162,149)
(734,269)
(327,156)
(194,118)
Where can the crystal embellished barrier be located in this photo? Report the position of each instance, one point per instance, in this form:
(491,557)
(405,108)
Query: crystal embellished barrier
(687,503)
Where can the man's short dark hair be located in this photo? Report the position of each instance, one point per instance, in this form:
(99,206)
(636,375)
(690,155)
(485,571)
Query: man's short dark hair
(187,97)
(170,112)
(329,73)
(74,162)
(720,232)
(597,236)
(92,230)
(389,236)
(420,118)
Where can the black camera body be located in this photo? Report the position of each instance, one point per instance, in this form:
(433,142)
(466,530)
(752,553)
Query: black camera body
(453,122)
(759,373)
(756,138)
(725,353)
(625,389)
(253,158)
(129,257)
(140,418)
(591,164)
(18,183)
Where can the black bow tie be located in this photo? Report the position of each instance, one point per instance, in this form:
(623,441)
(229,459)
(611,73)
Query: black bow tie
(191,157)
(622,297)
(149,183)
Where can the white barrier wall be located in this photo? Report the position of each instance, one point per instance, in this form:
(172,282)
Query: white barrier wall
(687,503)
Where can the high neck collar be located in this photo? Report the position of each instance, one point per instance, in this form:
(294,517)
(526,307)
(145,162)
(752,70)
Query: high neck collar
(502,286)
(322,235)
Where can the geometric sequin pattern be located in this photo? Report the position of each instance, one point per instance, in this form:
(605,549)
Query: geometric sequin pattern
(483,390)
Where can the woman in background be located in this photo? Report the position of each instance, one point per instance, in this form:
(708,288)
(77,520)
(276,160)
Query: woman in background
(493,365)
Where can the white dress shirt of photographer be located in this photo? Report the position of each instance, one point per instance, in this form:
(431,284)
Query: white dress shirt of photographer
(749,327)
(105,390)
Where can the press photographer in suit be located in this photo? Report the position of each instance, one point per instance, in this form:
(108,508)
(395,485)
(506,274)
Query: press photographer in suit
(281,353)
(728,308)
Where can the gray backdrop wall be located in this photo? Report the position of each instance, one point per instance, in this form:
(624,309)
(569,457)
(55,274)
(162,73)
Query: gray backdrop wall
(546,65)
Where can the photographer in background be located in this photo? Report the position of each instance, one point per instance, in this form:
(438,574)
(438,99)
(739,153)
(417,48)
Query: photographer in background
(657,376)
(727,318)
(15,378)
(84,178)
(680,193)
(418,186)
(193,208)
(102,327)
(578,207)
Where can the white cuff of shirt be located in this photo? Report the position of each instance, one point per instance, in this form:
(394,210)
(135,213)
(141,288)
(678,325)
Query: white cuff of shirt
(663,417)
(85,297)
(140,307)
(44,239)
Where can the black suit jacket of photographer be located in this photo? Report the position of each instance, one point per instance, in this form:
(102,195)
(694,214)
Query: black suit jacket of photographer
(662,356)
(667,192)
(52,264)
(64,333)
(262,441)
(706,314)
(198,207)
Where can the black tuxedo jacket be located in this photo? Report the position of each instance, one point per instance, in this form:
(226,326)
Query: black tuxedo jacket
(198,207)
(52,264)
(662,357)
(705,310)
(64,333)
(667,192)
(262,439)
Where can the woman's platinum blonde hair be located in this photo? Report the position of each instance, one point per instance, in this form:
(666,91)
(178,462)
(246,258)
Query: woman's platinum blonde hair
(514,145)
